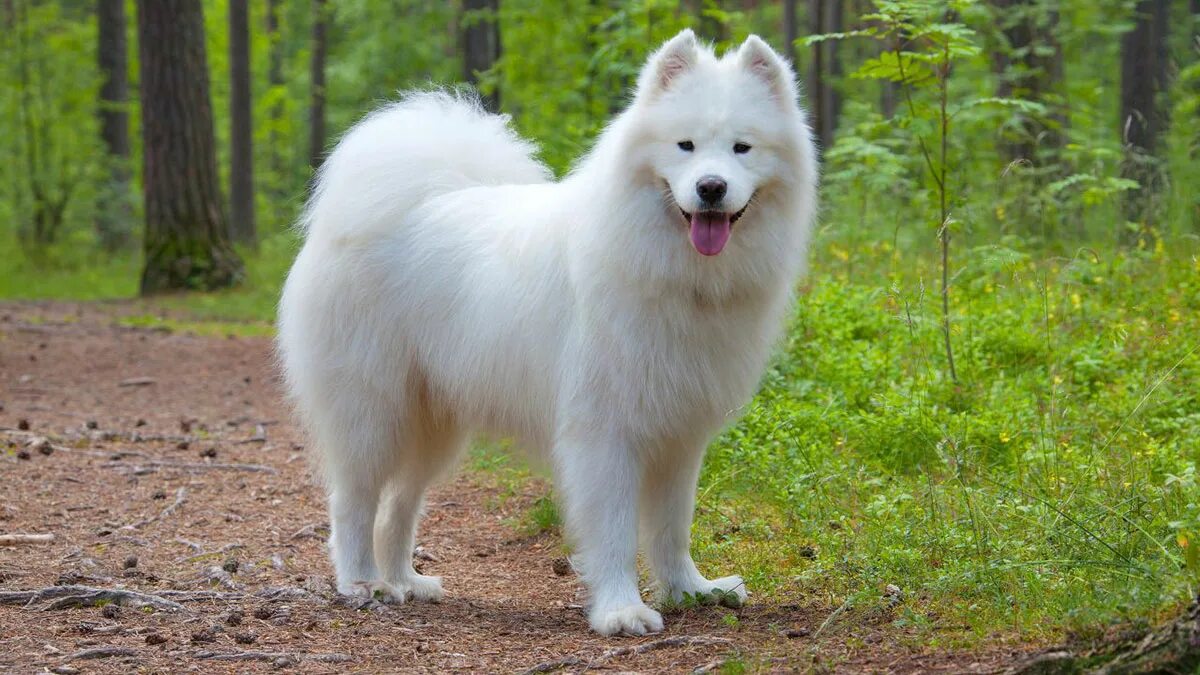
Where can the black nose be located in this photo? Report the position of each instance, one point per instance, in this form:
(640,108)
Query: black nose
(711,189)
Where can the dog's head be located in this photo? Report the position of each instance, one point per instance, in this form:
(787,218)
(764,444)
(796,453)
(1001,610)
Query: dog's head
(716,133)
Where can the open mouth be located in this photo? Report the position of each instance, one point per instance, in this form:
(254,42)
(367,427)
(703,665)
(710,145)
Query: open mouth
(710,230)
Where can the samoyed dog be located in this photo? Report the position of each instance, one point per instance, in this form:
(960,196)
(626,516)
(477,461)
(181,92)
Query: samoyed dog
(611,322)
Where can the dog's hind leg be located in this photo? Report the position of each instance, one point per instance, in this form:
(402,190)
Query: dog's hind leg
(356,447)
(353,500)
(429,446)
(395,534)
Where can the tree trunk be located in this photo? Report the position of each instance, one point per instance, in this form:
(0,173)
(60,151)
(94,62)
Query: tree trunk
(187,243)
(241,139)
(481,45)
(275,166)
(1173,648)
(316,111)
(1144,65)
(816,73)
(1030,67)
(791,30)
(824,16)
(708,27)
(113,212)
(834,23)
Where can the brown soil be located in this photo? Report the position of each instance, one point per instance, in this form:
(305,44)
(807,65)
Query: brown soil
(173,467)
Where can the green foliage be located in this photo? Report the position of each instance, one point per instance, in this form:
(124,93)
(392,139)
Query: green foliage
(48,130)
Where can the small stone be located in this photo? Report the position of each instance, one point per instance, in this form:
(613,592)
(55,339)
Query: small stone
(155,639)
(206,635)
(92,424)
(264,613)
(110,611)
(562,567)
(209,452)
(230,565)
(23,424)
(245,638)
(131,562)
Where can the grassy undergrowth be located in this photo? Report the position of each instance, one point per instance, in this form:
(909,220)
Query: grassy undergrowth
(1052,490)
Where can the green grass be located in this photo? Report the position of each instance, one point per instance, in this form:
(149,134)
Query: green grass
(77,271)
(1053,489)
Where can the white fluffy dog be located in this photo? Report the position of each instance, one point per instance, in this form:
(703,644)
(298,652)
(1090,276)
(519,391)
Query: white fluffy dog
(611,322)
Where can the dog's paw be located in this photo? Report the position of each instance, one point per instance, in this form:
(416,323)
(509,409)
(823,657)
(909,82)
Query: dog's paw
(728,591)
(417,587)
(635,619)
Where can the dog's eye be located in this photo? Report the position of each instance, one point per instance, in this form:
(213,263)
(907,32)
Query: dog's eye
(687,146)
(741,148)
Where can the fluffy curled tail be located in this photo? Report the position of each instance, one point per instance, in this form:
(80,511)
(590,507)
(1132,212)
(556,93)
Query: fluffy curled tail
(427,144)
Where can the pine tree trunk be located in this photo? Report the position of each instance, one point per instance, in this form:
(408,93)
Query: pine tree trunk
(241,136)
(1172,648)
(791,30)
(481,46)
(816,74)
(275,165)
(824,16)
(1030,67)
(1144,75)
(834,23)
(187,244)
(114,213)
(316,110)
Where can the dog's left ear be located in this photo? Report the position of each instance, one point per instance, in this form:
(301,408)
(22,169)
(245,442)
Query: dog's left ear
(757,57)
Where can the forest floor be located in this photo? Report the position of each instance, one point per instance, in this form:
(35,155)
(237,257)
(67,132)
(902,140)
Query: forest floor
(166,467)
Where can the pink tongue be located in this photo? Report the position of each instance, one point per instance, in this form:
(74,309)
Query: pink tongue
(710,232)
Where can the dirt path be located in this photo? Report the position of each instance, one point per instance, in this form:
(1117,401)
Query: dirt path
(166,464)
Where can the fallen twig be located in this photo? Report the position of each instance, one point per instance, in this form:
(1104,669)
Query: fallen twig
(136,381)
(830,619)
(146,467)
(60,597)
(101,653)
(180,498)
(202,554)
(678,641)
(14,539)
(272,656)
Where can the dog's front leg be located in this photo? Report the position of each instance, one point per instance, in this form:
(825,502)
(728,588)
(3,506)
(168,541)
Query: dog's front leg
(599,483)
(668,502)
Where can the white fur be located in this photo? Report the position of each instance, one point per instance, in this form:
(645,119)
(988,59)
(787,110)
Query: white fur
(448,286)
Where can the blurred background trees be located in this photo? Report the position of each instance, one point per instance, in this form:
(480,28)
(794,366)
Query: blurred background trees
(1090,134)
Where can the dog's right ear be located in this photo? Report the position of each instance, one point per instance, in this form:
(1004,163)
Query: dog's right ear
(673,59)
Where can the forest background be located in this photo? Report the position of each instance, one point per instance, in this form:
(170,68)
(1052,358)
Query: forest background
(990,394)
